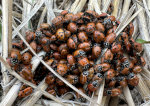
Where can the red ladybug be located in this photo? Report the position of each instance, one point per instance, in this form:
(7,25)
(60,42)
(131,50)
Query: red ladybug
(26,58)
(91,73)
(50,79)
(62,90)
(111,82)
(71,44)
(86,46)
(96,50)
(59,82)
(90,28)
(25,92)
(98,36)
(102,67)
(98,76)
(137,69)
(93,86)
(84,62)
(122,81)
(72,27)
(82,36)
(109,39)
(84,77)
(114,92)
(82,28)
(100,27)
(71,59)
(57,55)
(33,45)
(58,21)
(133,79)
(116,47)
(44,26)
(62,69)
(30,36)
(109,74)
(73,79)
(53,47)
(64,12)
(15,57)
(112,30)
(79,53)
(108,56)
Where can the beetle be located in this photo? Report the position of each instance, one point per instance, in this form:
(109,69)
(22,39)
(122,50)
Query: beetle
(30,36)
(114,92)
(49,79)
(73,79)
(93,86)
(109,74)
(90,28)
(116,47)
(137,69)
(108,56)
(82,36)
(59,82)
(26,58)
(25,92)
(71,44)
(71,60)
(57,55)
(82,28)
(60,34)
(84,62)
(86,46)
(79,97)
(62,90)
(15,57)
(109,39)
(96,50)
(132,79)
(58,21)
(64,12)
(72,27)
(52,92)
(111,82)
(122,81)
(84,77)
(112,30)
(98,36)
(102,67)
(100,27)
(79,53)
(98,76)
(62,69)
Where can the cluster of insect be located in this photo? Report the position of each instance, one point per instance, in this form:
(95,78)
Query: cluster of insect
(73,44)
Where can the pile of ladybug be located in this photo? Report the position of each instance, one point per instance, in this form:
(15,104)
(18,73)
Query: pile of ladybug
(73,44)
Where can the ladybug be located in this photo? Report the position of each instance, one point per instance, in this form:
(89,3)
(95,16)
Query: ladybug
(75,71)
(96,50)
(90,28)
(82,36)
(79,53)
(91,73)
(133,59)
(114,92)
(73,79)
(82,28)
(62,46)
(25,92)
(137,47)
(109,74)
(112,18)
(93,86)
(45,26)
(26,73)
(76,17)
(69,17)
(108,23)
(71,44)
(98,36)
(116,47)
(79,97)
(62,90)
(60,34)
(58,21)
(111,82)
(57,55)
(53,47)
(109,39)
(91,13)
(112,30)
(38,36)
(108,56)
(142,61)
(132,79)
(86,46)
(91,63)
(122,81)
(59,82)
(129,29)
(38,49)
(137,69)
(47,33)
(63,61)
(72,27)
(18,45)
(71,60)
(49,62)
(64,12)
(45,41)
(102,16)
(75,39)
(128,45)
(49,79)
(53,38)
(62,69)
(84,63)
(26,58)
(98,76)
(100,27)
(102,67)
(67,34)
(30,36)
(84,77)
(15,57)
(52,92)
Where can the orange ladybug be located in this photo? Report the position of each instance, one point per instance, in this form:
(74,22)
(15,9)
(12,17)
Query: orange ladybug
(122,81)
(72,27)
(49,79)
(84,77)
(100,27)
(71,59)
(116,47)
(133,79)
(73,79)
(64,12)
(57,55)
(15,57)
(59,82)
(109,39)
(96,50)
(60,34)
(62,69)
(26,58)
(71,44)
(98,76)
(82,36)
(98,36)
(86,46)
(108,56)
(111,82)
(102,67)
(33,45)
(84,62)
(110,74)
(82,28)
(79,97)
(30,36)
(58,21)
(25,92)
(114,92)
(79,53)
(137,69)
(90,28)
(93,86)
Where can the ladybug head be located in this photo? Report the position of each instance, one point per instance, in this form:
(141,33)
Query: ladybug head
(86,67)
(14,61)
(99,75)
(106,44)
(95,83)
(131,75)
(86,73)
(99,68)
